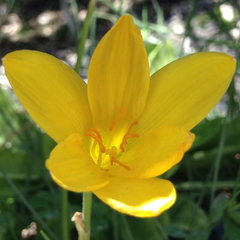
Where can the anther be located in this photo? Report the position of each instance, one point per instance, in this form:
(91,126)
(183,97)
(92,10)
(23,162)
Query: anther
(117,120)
(96,131)
(99,141)
(127,136)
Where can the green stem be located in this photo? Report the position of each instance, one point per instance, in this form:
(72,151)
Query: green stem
(27,204)
(64,214)
(85,30)
(87,207)
(83,220)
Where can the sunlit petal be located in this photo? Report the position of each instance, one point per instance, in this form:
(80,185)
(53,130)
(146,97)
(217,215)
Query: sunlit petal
(138,197)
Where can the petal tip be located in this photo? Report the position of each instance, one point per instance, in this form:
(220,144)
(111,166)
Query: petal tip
(11,56)
(127,18)
(225,57)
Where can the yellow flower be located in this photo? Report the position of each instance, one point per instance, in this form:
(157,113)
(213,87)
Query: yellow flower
(119,132)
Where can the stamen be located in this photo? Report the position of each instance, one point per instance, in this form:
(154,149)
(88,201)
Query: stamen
(96,131)
(113,159)
(127,136)
(112,153)
(134,123)
(117,120)
(99,140)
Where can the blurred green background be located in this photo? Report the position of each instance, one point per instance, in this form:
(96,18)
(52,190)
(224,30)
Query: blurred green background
(207,179)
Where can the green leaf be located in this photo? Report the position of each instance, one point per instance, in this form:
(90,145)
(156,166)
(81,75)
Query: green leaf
(199,234)
(188,215)
(144,228)
(176,232)
(16,165)
(47,144)
(218,207)
(232,230)
(206,131)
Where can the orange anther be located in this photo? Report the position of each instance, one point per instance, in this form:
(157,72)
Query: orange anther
(113,159)
(127,136)
(96,131)
(129,129)
(117,120)
(99,140)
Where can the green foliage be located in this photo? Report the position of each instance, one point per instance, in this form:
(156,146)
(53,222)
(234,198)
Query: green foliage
(24,147)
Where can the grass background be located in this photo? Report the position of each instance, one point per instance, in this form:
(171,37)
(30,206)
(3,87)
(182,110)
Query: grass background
(207,179)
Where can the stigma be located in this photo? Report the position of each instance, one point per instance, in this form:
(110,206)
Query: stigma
(108,157)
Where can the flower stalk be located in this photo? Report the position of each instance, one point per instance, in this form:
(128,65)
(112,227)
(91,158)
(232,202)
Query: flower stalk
(64,214)
(83,220)
(87,207)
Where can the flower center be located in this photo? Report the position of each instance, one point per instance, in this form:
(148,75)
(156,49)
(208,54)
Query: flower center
(109,153)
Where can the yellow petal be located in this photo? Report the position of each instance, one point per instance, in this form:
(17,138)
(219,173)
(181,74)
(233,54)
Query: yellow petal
(156,152)
(138,197)
(186,90)
(72,167)
(118,76)
(52,92)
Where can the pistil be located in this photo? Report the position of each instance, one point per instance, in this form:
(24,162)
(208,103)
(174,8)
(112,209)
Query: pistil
(113,151)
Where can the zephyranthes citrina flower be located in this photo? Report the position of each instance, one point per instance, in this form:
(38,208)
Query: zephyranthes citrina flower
(120,131)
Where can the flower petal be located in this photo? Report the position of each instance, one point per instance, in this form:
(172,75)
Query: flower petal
(72,167)
(52,92)
(156,152)
(186,90)
(118,76)
(138,197)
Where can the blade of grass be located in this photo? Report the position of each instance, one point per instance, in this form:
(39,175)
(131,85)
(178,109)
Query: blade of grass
(226,126)
(145,13)
(158,11)
(127,227)
(84,35)
(44,235)
(74,8)
(190,16)
(161,229)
